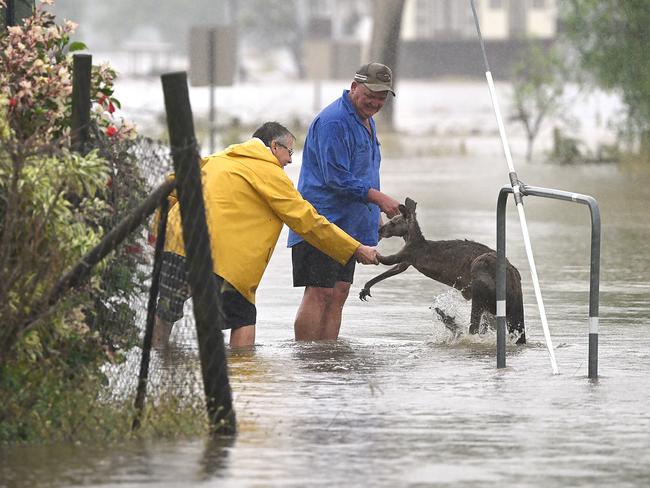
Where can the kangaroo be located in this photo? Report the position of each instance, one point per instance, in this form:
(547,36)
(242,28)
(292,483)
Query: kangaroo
(467,266)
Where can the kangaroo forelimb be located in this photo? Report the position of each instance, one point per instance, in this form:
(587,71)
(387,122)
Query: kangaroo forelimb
(392,259)
(365,292)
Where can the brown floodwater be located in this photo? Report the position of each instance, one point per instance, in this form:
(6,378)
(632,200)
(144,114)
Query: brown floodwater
(397,401)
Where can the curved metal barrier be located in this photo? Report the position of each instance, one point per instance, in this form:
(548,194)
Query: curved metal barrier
(594,274)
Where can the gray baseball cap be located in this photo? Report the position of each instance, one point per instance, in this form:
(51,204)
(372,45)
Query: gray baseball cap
(376,77)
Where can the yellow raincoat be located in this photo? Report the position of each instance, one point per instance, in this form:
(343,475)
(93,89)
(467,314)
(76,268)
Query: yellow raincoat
(248,197)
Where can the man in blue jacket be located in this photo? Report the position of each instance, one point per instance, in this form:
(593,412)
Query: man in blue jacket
(340,177)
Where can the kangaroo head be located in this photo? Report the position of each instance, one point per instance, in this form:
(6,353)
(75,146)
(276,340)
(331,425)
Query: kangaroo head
(399,225)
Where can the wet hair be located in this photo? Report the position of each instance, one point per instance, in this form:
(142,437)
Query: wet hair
(272,131)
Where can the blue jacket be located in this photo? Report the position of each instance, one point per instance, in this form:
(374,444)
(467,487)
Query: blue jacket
(340,163)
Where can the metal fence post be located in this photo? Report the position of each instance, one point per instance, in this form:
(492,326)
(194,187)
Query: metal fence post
(501,279)
(151,315)
(201,277)
(594,286)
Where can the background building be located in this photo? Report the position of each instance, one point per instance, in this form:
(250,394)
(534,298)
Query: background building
(315,39)
(438,37)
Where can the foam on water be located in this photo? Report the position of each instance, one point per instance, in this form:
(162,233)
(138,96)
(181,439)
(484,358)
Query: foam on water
(452,304)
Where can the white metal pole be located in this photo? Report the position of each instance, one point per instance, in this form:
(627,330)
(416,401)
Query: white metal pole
(514,181)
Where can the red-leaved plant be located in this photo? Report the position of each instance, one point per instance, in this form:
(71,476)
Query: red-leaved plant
(36,80)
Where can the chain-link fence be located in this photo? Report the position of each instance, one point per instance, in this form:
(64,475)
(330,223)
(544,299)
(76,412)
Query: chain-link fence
(169,373)
(78,276)
(173,374)
(114,289)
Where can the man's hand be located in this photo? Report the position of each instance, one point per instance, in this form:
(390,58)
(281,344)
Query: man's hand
(386,204)
(366,255)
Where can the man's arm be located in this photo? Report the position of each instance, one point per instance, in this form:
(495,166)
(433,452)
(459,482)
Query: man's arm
(301,216)
(386,204)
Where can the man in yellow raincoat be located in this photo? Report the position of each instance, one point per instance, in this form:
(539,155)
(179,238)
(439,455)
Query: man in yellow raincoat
(248,197)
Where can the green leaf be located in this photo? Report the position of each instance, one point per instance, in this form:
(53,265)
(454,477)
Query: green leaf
(77,46)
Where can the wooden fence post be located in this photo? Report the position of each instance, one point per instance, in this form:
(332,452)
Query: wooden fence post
(16,11)
(201,277)
(81,71)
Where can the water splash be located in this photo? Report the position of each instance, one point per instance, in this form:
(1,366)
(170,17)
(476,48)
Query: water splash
(451,315)
(450,304)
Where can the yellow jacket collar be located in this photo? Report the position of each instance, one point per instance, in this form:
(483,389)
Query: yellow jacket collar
(253,148)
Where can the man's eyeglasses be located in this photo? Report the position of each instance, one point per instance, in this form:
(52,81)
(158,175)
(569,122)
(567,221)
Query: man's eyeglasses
(290,151)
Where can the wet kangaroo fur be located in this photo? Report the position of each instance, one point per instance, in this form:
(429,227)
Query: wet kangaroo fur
(467,266)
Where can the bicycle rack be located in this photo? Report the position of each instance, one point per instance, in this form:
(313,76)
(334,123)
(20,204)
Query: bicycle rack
(594,274)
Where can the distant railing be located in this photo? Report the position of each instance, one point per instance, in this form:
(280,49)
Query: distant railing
(594,276)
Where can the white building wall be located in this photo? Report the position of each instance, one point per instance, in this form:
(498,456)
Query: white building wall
(423,19)
(429,19)
(409,21)
(493,16)
(542,22)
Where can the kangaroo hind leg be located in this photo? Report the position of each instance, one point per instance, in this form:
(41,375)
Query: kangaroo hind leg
(477,313)
(515,320)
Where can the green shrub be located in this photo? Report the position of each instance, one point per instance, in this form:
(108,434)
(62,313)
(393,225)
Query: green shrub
(54,207)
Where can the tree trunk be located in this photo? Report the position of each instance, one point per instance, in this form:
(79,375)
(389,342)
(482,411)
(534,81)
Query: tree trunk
(529,147)
(645,146)
(384,45)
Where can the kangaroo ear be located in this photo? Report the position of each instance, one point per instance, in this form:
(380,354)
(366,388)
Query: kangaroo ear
(403,210)
(410,205)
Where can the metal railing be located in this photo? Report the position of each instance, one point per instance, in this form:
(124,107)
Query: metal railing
(594,273)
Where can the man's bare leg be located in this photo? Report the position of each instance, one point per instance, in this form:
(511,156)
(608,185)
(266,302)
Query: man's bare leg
(242,337)
(320,311)
(331,322)
(307,324)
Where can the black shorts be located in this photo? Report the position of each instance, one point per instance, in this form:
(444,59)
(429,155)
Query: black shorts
(312,267)
(174,291)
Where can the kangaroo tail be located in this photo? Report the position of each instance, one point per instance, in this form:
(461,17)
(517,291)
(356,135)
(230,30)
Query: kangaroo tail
(448,320)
